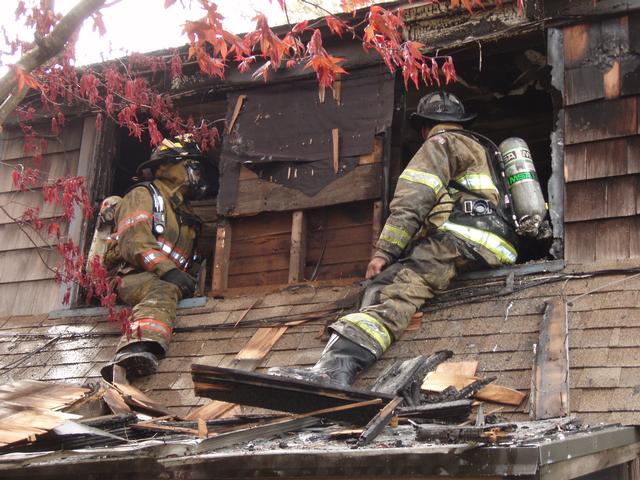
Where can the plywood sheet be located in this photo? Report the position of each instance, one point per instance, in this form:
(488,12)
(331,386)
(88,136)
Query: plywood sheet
(364,182)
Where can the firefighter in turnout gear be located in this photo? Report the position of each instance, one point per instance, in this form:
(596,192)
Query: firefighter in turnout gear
(151,250)
(445,218)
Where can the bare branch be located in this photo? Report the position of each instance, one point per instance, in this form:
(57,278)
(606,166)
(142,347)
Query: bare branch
(49,46)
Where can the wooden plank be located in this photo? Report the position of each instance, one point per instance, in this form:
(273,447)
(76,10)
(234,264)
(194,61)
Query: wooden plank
(467,368)
(601,120)
(404,378)
(280,393)
(139,401)
(376,155)
(550,392)
(221,257)
(115,402)
(277,244)
(340,270)
(261,226)
(613,239)
(278,277)
(440,381)
(377,423)
(339,236)
(236,112)
(335,141)
(298,253)
(267,263)
(340,254)
(248,359)
(376,224)
(580,242)
(276,427)
(362,183)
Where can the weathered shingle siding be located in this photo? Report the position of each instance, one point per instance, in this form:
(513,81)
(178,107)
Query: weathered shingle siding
(602,139)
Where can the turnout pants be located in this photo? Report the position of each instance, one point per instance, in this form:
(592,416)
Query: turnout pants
(397,293)
(154,309)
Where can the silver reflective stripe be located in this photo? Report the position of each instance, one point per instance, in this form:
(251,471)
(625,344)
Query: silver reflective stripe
(423,178)
(170,250)
(477,181)
(371,326)
(503,250)
(395,236)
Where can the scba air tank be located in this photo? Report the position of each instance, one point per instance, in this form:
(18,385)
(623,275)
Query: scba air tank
(528,201)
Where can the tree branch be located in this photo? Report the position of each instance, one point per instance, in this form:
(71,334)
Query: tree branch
(50,45)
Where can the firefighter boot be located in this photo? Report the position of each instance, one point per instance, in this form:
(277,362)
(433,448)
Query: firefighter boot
(137,359)
(341,361)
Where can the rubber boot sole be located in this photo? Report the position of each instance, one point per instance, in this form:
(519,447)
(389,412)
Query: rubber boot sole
(139,364)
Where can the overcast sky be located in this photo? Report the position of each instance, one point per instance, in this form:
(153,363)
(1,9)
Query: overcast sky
(145,25)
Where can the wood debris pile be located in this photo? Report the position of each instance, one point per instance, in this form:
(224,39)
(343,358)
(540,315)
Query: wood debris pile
(433,395)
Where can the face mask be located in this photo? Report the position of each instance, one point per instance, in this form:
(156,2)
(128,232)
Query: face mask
(197,185)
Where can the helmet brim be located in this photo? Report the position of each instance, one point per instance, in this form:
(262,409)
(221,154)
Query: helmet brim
(417,119)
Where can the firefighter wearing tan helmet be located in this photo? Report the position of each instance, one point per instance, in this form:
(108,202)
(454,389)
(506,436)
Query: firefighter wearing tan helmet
(152,249)
(449,214)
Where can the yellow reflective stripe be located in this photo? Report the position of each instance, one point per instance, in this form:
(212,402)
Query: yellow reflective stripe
(394,235)
(371,326)
(477,181)
(503,250)
(424,178)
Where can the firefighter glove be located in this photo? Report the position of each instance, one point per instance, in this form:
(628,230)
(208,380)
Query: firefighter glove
(185,282)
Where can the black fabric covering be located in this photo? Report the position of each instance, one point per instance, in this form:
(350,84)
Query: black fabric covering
(283,132)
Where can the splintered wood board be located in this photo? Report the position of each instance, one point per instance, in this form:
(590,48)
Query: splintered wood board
(249,358)
(440,381)
(282,394)
(29,408)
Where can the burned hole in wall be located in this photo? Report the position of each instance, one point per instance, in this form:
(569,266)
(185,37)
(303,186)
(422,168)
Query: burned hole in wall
(511,93)
(131,152)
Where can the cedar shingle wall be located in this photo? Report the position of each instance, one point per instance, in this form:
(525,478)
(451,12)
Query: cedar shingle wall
(602,140)
(26,284)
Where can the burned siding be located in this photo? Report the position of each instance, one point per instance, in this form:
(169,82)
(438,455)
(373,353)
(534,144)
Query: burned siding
(602,141)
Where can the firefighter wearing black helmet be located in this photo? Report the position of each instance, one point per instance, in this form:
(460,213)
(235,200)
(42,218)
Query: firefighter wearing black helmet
(151,250)
(444,219)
